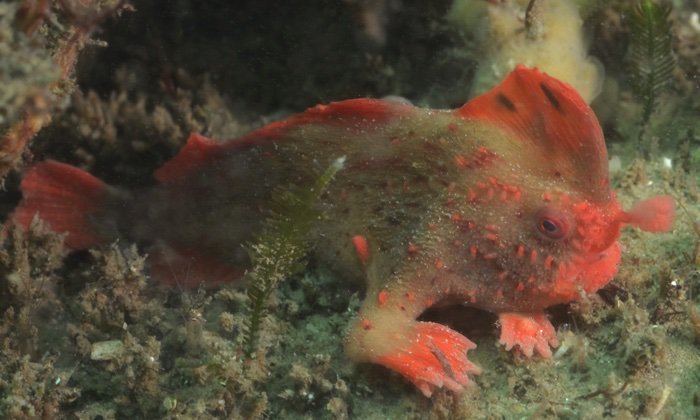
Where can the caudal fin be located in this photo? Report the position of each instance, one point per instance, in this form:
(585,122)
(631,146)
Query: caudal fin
(66,198)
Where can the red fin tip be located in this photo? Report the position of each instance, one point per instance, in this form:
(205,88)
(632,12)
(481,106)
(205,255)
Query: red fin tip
(64,197)
(196,154)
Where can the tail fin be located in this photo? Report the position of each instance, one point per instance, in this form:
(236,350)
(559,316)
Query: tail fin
(67,199)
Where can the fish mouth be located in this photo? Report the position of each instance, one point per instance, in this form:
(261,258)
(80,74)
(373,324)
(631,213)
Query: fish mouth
(599,268)
(587,272)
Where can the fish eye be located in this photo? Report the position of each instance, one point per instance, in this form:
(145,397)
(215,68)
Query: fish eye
(551,223)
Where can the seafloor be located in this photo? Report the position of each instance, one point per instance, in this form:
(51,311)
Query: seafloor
(87,335)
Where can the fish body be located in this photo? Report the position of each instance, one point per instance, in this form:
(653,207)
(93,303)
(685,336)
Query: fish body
(503,204)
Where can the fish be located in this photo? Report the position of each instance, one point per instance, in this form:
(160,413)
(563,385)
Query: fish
(503,204)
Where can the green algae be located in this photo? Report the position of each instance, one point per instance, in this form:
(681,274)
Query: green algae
(279,251)
(651,62)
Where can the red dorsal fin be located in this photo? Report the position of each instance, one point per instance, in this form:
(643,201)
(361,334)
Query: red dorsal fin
(348,112)
(200,151)
(552,116)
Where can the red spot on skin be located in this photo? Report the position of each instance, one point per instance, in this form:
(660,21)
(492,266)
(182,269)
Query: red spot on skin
(582,210)
(361,248)
(480,158)
(492,228)
(546,197)
(490,256)
(410,296)
(429,303)
(471,224)
(491,237)
(473,250)
(490,193)
(548,262)
(520,287)
(502,275)
(517,195)
(471,195)
(439,264)
(383,297)
(485,151)
(531,279)
(533,256)
(366,325)
(456,217)
(451,127)
(461,161)
(412,248)
(520,251)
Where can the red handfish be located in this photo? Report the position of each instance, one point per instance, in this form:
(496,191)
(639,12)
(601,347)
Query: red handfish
(503,204)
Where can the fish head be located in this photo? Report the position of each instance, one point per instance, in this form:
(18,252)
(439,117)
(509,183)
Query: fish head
(554,232)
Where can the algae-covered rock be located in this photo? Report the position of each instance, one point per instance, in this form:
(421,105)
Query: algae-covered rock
(26,70)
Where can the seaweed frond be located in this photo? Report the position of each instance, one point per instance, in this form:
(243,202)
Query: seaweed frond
(279,250)
(651,54)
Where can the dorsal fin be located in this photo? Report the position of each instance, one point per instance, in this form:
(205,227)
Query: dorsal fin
(197,152)
(552,116)
(200,151)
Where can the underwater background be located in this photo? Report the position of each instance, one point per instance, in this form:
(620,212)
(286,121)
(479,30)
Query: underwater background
(115,88)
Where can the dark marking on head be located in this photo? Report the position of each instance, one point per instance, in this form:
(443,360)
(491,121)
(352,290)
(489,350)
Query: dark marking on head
(553,99)
(503,100)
